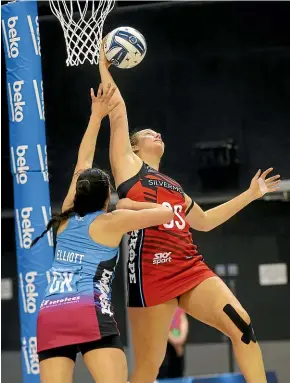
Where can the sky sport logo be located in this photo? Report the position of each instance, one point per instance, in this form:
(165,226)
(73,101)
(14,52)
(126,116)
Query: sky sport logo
(16,101)
(162,258)
(11,37)
(25,228)
(29,350)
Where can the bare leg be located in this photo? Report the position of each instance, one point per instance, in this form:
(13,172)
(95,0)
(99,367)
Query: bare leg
(206,303)
(107,365)
(150,327)
(56,370)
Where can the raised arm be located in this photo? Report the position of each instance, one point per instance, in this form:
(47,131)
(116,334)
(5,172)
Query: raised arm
(124,162)
(208,220)
(101,106)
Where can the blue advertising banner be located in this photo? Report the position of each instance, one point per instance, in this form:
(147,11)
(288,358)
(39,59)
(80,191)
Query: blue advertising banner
(20,34)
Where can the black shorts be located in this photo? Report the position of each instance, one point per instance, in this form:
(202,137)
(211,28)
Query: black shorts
(70,351)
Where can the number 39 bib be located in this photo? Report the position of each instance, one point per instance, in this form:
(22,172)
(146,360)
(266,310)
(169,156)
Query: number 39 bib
(176,202)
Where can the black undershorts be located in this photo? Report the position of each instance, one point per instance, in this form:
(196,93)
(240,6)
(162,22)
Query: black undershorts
(70,351)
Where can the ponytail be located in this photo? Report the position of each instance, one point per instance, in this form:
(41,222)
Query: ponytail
(90,183)
(54,222)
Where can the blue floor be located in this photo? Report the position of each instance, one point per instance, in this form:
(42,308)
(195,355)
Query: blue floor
(224,378)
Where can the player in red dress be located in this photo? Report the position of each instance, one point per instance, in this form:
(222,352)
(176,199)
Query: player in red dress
(162,256)
(164,267)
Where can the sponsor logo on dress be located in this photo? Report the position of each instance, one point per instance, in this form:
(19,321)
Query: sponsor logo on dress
(162,258)
(132,255)
(46,303)
(104,285)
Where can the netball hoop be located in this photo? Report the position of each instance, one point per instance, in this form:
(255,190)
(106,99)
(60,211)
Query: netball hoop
(82,23)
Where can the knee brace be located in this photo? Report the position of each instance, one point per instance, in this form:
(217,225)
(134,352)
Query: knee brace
(246,329)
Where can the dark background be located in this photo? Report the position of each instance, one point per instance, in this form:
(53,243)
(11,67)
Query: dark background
(213,71)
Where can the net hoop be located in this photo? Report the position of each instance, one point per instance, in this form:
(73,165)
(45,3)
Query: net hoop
(83,37)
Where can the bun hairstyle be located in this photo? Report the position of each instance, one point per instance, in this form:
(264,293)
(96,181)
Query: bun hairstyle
(92,191)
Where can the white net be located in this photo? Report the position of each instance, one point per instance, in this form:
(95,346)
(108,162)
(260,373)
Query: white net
(82,23)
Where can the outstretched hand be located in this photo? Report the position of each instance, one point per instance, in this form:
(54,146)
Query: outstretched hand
(261,185)
(103,103)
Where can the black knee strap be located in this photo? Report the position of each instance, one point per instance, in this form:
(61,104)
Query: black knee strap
(246,329)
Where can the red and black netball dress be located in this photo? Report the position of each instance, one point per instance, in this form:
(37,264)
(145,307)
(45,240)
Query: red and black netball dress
(163,261)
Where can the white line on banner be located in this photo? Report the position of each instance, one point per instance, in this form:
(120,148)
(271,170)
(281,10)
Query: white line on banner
(41,161)
(32,34)
(21,285)
(11,102)
(19,228)
(25,354)
(37,99)
(13,160)
(5,38)
(45,218)
(40,156)
(48,276)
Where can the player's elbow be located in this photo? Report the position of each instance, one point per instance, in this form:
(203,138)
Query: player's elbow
(84,162)
(202,224)
(206,227)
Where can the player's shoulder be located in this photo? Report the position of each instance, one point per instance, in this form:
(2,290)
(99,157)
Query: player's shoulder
(113,217)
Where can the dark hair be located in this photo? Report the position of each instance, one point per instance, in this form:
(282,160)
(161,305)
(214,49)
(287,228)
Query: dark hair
(92,190)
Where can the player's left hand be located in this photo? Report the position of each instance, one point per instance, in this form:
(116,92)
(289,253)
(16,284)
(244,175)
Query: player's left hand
(104,102)
(261,185)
